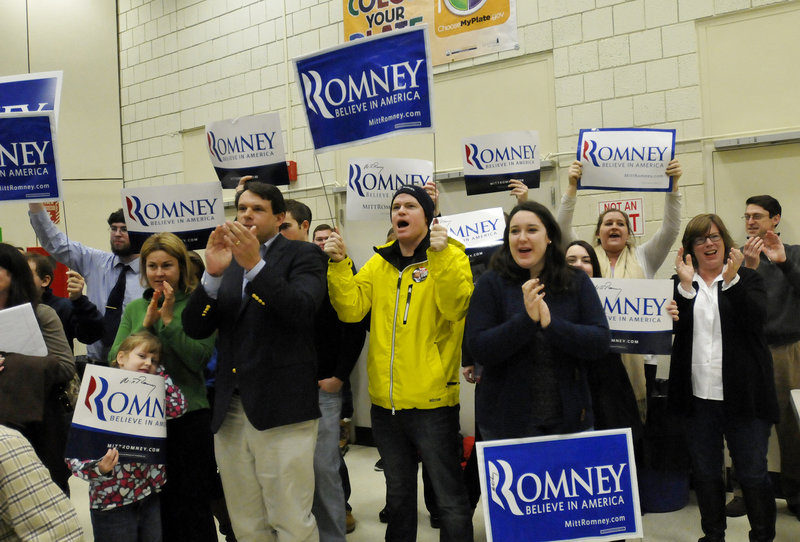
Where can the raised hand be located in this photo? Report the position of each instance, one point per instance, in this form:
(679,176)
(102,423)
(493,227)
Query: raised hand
(773,248)
(438,236)
(218,253)
(752,252)
(519,190)
(75,284)
(684,269)
(675,171)
(335,247)
(735,260)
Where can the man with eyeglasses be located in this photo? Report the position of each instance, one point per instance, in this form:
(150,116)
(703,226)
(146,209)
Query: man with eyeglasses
(112,278)
(779,266)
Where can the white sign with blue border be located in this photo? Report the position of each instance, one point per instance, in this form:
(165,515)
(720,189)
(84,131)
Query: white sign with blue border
(476,229)
(190,211)
(29,158)
(372,182)
(581,486)
(125,410)
(368,89)
(637,315)
(490,161)
(251,145)
(626,159)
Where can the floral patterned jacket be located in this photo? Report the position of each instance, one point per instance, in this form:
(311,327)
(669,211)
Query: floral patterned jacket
(128,482)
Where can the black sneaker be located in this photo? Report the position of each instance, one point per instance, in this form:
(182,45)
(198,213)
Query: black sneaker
(379,465)
(383,515)
(736,507)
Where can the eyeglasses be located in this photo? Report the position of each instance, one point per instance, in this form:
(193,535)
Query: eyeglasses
(118,229)
(714,238)
(756,217)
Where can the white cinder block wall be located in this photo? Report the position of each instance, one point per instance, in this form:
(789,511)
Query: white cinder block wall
(616,63)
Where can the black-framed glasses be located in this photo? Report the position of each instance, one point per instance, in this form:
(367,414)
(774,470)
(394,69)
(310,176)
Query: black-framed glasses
(754,216)
(118,229)
(714,238)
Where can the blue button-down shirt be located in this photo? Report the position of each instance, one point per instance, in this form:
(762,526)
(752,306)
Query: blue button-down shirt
(98,267)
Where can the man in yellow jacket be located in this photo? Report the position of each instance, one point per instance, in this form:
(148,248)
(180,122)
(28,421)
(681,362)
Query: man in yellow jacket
(418,289)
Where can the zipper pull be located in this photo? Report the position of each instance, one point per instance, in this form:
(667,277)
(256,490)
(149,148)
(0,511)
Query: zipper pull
(408,304)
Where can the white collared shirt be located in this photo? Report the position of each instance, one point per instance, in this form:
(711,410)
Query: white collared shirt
(707,338)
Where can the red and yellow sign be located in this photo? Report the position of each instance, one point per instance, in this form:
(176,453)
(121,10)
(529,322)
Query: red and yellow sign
(458,28)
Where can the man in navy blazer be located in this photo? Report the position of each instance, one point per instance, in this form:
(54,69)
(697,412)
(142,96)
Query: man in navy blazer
(259,292)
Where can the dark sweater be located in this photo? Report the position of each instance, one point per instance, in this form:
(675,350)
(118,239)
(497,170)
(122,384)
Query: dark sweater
(503,338)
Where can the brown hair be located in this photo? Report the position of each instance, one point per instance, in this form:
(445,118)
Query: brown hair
(151,343)
(172,245)
(698,227)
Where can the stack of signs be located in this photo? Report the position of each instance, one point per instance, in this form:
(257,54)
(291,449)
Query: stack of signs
(490,161)
(626,159)
(248,146)
(560,487)
(373,181)
(190,211)
(637,315)
(119,409)
(367,89)
(481,233)
(28,156)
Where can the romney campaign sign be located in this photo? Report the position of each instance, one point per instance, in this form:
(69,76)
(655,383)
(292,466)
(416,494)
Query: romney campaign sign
(626,159)
(560,487)
(125,410)
(368,89)
(371,183)
(31,92)
(490,161)
(190,211)
(28,157)
(248,146)
(636,310)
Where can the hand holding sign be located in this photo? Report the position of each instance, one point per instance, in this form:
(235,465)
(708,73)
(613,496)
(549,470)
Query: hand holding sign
(674,170)
(109,461)
(75,284)
(334,247)
(433,192)
(518,190)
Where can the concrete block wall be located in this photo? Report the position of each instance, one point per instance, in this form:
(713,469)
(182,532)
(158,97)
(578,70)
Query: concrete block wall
(616,63)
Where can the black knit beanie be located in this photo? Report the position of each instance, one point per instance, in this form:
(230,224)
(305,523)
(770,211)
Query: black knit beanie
(418,193)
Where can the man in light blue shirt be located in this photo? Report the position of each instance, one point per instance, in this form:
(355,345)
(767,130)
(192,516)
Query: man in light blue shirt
(101,269)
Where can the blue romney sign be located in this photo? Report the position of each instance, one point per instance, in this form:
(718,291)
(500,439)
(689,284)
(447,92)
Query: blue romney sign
(28,158)
(560,487)
(367,89)
(30,92)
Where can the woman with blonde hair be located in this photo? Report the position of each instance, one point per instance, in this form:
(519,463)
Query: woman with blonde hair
(169,276)
(619,258)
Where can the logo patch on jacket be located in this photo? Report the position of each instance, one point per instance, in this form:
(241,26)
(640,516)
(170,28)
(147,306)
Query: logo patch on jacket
(420,274)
